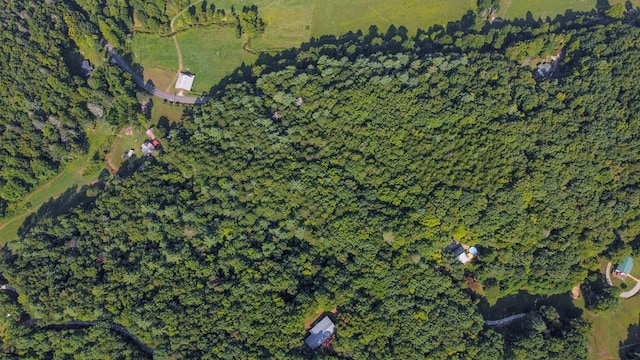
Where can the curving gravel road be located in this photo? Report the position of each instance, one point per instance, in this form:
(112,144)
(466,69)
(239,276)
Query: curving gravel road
(150,88)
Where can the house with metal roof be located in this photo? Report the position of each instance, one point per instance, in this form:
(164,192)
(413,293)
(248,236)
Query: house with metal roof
(624,268)
(322,331)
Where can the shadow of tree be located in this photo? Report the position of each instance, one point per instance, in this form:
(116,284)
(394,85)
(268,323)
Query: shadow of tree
(132,165)
(72,197)
(630,347)
(523,302)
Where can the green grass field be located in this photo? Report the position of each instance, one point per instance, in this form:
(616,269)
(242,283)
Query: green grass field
(158,57)
(510,9)
(173,112)
(337,17)
(211,53)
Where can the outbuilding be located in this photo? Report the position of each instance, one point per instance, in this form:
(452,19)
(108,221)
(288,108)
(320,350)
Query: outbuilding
(185,81)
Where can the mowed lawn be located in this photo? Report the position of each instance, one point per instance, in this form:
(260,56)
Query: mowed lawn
(211,53)
(510,9)
(610,330)
(158,57)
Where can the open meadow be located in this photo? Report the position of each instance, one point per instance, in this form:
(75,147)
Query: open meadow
(158,57)
(511,9)
(211,53)
(79,172)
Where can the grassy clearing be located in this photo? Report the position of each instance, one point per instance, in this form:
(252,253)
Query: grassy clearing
(173,112)
(610,330)
(131,139)
(337,17)
(510,9)
(89,49)
(211,53)
(158,57)
(72,174)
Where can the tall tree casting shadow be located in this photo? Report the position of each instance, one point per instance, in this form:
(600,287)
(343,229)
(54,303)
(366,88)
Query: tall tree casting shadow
(630,347)
(71,198)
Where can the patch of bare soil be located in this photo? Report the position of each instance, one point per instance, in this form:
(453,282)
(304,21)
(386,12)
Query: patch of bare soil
(575,292)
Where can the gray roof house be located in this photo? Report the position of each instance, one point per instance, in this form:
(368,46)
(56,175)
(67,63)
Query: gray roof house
(544,69)
(87,68)
(320,332)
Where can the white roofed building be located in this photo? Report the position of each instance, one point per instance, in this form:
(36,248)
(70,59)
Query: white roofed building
(185,81)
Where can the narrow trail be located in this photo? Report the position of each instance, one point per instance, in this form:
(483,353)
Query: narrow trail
(175,42)
(85,324)
(42,187)
(18,217)
(26,199)
(608,274)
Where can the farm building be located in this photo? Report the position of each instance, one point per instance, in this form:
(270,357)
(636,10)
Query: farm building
(150,133)
(185,81)
(148,146)
(320,332)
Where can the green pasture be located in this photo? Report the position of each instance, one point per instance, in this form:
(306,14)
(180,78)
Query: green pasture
(130,138)
(89,49)
(510,9)
(158,57)
(610,330)
(338,17)
(211,53)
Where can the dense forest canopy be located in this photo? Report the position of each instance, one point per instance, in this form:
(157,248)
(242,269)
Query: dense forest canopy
(332,176)
(46,100)
(40,111)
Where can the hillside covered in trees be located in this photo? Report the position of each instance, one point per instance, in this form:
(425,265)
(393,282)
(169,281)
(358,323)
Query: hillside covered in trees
(46,100)
(332,176)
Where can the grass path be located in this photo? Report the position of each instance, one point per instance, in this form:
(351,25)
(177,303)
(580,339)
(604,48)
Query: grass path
(175,42)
